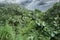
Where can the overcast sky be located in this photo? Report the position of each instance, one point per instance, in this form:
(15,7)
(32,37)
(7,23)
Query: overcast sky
(33,4)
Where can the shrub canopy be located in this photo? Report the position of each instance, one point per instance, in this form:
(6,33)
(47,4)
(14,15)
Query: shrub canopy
(18,23)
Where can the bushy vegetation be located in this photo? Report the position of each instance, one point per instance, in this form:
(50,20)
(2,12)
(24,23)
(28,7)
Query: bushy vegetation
(18,23)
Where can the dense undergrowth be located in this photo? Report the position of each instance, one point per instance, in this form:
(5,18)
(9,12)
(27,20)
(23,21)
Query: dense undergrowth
(18,23)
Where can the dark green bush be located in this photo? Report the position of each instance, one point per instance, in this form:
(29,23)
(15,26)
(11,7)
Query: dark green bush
(18,23)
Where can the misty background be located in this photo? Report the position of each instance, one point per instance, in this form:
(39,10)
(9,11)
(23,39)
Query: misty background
(42,5)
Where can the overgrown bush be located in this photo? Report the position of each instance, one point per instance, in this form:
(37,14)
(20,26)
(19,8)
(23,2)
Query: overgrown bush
(18,23)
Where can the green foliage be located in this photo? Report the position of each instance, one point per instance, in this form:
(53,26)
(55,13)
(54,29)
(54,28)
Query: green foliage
(51,19)
(6,33)
(18,23)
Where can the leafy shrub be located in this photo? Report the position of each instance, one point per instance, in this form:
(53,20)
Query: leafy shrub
(18,23)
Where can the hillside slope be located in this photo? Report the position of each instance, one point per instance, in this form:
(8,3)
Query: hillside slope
(18,23)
